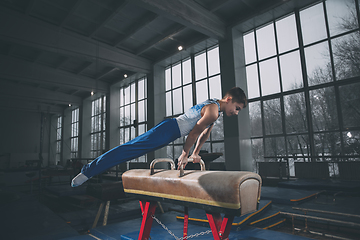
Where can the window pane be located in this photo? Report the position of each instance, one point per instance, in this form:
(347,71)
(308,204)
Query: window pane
(206,147)
(341,16)
(142,129)
(127,95)
(323,109)
(121,97)
(76,129)
(266,41)
(58,147)
(187,71)
(295,113)
(298,146)
(132,129)
(327,144)
(249,47)
(169,152)
(168,104)
(269,76)
(351,142)
(346,54)
(58,134)
(141,111)
(219,147)
(275,147)
(313,24)
(178,108)
(133,117)
(201,91)
(188,100)
(168,79)
(127,115)
(145,87)
(318,64)
(272,116)
(176,75)
(145,108)
(291,75)
(252,81)
(179,141)
(141,89)
(122,138)
(255,119)
(177,151)
(287,34)
(132,92)
(213,61)
(350,105)
(127,134)
(200,66)
(122,117)
(217,132)
(215,87)
(257,149)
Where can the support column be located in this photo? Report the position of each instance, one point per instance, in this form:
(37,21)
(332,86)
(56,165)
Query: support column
(236,130)
(156,105)
(66,136)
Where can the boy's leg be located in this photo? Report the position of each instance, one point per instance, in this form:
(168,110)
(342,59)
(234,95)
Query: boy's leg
(157,137)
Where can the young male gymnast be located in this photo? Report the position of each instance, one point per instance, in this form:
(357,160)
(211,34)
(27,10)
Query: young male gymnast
(196,123)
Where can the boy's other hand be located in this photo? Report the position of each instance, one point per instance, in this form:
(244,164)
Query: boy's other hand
(196,158)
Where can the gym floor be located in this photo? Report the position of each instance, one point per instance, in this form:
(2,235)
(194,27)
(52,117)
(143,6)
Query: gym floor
(62,212)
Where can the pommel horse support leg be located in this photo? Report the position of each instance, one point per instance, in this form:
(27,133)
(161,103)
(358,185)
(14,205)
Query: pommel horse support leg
(233,193)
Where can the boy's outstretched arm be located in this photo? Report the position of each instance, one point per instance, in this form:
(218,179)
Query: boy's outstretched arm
(200,142)
(211,113)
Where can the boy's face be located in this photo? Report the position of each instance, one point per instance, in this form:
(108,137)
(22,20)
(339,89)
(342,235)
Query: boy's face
(232,108)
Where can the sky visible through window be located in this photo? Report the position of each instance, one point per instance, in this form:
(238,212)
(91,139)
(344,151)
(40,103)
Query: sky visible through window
(303,87)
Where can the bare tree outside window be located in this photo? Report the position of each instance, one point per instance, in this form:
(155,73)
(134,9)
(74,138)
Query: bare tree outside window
(307,112)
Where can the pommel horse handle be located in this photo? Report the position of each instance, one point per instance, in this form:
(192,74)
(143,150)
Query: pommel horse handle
(202,165)
(152,164)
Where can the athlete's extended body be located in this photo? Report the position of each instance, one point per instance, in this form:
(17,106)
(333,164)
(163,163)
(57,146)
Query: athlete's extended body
(196,123)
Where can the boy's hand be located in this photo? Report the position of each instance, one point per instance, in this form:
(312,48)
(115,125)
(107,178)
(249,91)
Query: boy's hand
(196,158)
(182,160)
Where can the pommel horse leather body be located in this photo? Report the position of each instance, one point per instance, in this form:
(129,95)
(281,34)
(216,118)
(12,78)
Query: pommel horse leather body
(231,192)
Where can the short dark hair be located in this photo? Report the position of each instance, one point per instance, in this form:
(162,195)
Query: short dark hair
(237,95)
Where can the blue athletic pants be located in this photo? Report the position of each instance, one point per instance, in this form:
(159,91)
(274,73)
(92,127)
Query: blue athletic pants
(159,136)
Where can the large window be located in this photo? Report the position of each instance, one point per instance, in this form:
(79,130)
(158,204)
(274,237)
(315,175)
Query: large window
(185,89)
(133,112)
(98,126)
(74,141)
(58,139)
(303,79)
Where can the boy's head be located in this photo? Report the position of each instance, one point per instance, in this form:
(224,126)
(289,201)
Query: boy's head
(237,95)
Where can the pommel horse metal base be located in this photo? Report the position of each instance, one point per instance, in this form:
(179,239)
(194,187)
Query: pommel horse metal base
(233,193)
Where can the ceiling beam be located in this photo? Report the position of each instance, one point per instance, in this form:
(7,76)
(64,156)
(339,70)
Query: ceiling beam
(27,93)
(120,5)
(106,72)
(76,4)
(217,4)
(137,26)
(169,35)
(187,13)
(41,35)
(19,70)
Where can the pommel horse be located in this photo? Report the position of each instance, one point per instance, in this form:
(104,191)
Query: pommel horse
(233,193)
